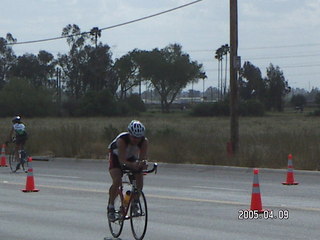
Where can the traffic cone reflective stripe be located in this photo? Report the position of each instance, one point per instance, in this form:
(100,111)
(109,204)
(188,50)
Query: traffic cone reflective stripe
(290,175)
(256,203)
(30,186)
(3,156)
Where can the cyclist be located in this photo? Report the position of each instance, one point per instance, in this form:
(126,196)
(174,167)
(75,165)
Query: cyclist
(127,150)
(21,136)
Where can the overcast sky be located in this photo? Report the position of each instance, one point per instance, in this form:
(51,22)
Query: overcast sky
(285,33)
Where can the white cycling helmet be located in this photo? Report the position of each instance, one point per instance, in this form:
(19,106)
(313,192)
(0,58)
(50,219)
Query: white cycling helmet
(16,119)
(136,128)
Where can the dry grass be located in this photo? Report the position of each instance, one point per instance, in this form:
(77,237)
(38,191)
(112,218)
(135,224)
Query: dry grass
(264,142)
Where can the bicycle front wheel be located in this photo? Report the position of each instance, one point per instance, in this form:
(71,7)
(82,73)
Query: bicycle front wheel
(116,225)
(12,161)
(139,215)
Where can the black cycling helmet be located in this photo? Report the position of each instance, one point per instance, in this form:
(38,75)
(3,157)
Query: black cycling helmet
(16,119)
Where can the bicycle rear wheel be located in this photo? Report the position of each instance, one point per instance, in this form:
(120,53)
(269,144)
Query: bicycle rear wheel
(12,161)
(139,216)
(117,225)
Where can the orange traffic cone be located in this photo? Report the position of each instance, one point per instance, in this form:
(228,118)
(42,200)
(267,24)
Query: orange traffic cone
(290,176)
(30,180)
(256,203)
(3,156)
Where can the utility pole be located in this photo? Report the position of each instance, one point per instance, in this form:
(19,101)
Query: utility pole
(234,66)
(58,86)
(203,89)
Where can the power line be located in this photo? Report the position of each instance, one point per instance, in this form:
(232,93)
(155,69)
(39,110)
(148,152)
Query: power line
(282,67)
(107,28)
(281,46)
(262,47)
(264,58)
(289,56)
(301,66)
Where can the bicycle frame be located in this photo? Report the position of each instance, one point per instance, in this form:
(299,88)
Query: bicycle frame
(137,212)
(134,190)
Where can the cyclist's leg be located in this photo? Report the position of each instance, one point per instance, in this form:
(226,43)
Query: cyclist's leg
(139,180)
(19,141)
(116,175)
(16,153)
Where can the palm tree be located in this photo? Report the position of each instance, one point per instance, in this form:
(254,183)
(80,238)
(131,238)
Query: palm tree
(225,51)
(95,33)
(219,57)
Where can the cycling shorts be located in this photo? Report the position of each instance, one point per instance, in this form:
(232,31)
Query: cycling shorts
(21,139)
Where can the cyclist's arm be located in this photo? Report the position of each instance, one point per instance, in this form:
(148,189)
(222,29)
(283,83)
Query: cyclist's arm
(143,155)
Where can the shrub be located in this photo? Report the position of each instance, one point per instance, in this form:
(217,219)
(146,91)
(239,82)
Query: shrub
(70,106)
(251,108)
(246,108)
(102,103)
(202,110)
(298,100)
(315,113)
(97,104)
(135,103)
(211,109)
(18,96)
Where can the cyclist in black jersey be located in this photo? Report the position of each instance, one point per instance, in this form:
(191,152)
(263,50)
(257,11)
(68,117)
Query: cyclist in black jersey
(129,150)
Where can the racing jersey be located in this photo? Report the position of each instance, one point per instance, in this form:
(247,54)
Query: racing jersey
(131,150)
(19,129)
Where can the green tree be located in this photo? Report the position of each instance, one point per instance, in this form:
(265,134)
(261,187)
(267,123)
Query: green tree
(7,58)
(317,98)
(37,69)
(86,68)
(127,71)
(97,69)
(169,70)
(251,83)
(75,38)
(277,88)
(219,57)
(47,65)
(222,81)
(72,62)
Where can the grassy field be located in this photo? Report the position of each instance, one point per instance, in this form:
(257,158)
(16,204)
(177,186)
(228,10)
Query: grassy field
(179,138)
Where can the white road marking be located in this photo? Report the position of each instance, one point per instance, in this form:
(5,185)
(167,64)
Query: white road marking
(57,176)
(173,197)
(219,188)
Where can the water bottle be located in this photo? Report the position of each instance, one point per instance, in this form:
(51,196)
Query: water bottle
(127,198)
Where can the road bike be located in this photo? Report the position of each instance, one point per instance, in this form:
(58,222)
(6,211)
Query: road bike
(22,160)
(130,205)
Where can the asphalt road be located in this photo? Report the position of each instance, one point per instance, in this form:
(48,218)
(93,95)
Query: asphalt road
(184,201)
